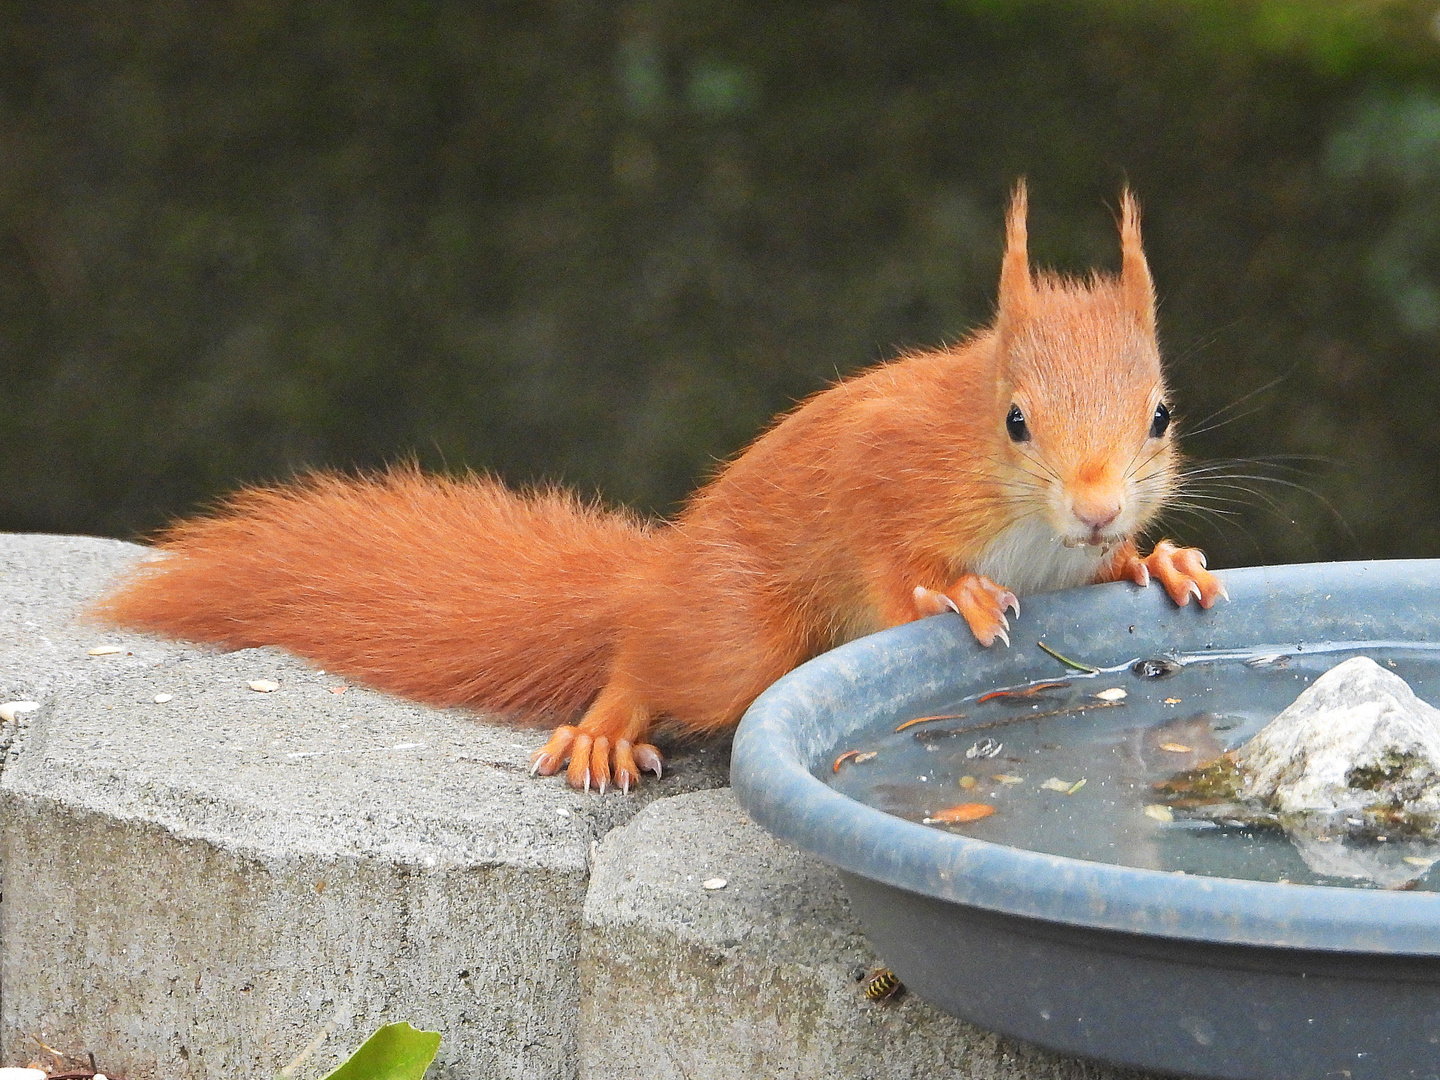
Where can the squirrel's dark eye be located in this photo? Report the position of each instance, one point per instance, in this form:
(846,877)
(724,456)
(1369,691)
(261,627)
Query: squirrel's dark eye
(1161,420)
(1015,425)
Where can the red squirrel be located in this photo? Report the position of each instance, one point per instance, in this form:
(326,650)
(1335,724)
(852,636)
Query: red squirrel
(1024,459)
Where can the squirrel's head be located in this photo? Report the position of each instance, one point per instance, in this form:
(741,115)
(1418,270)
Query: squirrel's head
(1082,415)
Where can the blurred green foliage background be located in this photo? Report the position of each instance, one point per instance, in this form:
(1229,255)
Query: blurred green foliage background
(604,243)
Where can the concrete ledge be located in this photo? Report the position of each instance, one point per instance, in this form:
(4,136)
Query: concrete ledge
(763,978)
(200,888)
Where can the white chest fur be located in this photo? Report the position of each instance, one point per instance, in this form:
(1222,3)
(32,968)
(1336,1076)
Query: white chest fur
(1029,558)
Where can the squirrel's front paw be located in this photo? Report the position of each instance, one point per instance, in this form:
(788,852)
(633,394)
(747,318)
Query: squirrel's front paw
(595,761)
(1180,570)
(978,600)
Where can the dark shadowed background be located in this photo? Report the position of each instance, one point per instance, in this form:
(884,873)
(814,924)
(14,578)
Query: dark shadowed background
(604,243)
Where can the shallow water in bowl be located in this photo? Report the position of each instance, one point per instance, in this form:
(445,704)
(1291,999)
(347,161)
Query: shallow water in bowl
(1108,757)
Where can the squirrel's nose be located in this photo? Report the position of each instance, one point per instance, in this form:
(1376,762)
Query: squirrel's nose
(1096,510)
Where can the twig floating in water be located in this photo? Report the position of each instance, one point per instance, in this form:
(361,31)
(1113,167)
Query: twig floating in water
(1018,718)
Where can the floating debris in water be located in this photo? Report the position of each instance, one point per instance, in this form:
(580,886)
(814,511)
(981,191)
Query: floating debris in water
(1065,787)
(959,815)
(968,782)
(1176,747)
(1089,670)
(1022,692)
(856,756)
(1271,660)
(1115,693)
(929,719)
(1007,778)
(1159,812)
(985,748)
(1158,667)
(935,735)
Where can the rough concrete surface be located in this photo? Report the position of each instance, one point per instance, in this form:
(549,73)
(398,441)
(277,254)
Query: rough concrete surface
(204,886)
(761,978)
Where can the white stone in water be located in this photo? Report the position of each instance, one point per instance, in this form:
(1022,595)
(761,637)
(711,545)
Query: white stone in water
(1357,738)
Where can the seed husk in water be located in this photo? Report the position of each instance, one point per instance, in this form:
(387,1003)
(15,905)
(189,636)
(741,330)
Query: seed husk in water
(957,815)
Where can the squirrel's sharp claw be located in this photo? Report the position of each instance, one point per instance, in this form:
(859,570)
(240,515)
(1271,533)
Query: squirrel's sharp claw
(1013,603)
(535,764)
(1003,636)
(648,758)
(1193,589)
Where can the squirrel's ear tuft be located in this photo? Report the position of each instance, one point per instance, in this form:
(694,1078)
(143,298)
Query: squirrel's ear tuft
(1017,291)
(1135,283)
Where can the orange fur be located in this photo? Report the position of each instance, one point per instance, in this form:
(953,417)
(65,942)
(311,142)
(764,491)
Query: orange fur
(865,507)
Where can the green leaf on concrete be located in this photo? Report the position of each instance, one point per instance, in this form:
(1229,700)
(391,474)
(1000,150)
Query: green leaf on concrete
(395,1052)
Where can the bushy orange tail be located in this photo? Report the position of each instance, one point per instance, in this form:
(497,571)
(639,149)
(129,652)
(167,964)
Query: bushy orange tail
(449,591)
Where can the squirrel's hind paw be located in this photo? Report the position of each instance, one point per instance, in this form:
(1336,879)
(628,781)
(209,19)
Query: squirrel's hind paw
(594,762)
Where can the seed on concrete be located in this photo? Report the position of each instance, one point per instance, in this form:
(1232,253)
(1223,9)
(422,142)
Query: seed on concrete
(8,712)
(263,686)
(106,650)
(161,699)
(714,883)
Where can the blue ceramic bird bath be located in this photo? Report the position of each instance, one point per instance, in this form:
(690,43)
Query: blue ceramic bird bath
(1191,972)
